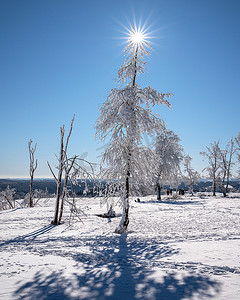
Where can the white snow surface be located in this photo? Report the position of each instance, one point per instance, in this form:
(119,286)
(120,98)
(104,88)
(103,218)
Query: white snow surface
(185,248)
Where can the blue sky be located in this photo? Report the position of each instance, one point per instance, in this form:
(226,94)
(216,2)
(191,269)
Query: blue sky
(61,57)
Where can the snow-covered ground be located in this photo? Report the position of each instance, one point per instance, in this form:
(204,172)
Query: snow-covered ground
(188,248)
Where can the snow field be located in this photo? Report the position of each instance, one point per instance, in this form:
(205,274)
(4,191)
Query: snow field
(186,248)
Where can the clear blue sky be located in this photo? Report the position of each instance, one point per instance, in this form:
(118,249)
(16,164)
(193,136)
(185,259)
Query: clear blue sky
(60,57)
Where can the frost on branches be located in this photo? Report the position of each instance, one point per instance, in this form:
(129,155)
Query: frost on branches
(191,176)
(124,118)
(169,154)
(226,165)
(7,198)
(214,164)
(237,139)
(220,163)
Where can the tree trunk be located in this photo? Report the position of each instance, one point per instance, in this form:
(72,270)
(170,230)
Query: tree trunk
(158,191)
(214,187)
(191,188)
(31,193)
(227,184)
(61,209)
(122,227)
(224,190)
(63,198)
(59,181)
(55,220)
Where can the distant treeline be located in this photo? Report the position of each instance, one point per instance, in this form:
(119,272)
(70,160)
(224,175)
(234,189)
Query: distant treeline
(22,186)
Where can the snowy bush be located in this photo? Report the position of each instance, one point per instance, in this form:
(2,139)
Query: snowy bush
(7,200)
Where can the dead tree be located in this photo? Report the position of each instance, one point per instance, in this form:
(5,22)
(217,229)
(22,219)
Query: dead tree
(33,167)
(71,168)
(61,162)
(68,167)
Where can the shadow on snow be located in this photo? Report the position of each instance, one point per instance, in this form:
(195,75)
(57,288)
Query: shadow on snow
(119,267)
(178,201)
(30,236)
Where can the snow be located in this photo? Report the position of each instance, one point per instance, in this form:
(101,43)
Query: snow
(185,248)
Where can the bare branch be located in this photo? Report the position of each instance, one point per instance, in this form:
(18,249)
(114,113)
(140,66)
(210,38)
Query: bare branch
(69,134)
(52,171)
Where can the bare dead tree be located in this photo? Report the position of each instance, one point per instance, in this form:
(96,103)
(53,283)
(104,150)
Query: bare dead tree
(71,168)
(33,167)
(68,167)
(61,162)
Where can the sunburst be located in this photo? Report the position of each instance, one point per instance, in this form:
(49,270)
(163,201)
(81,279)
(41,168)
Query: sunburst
(138,37)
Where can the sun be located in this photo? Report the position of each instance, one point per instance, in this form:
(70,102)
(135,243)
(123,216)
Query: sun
(137,37)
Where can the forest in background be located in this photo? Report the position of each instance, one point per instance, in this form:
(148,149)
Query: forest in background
(22,186)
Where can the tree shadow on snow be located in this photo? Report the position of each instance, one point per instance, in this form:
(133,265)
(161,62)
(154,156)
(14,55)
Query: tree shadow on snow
(29,236)
(178,201)
(120,267)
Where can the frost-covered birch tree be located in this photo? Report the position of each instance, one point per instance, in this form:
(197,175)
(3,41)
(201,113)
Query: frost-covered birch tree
(169,154)
(191,176)
(237,140)
(214,163)
(124,117)
(7,198)
(226,165)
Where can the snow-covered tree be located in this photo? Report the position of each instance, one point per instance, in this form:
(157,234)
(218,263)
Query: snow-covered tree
(124,118)
(169,154)
(37,195)
(191,176)
(176,178)
(32,169)
(7,198)
(226,165)
(213,155)
(237,140)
